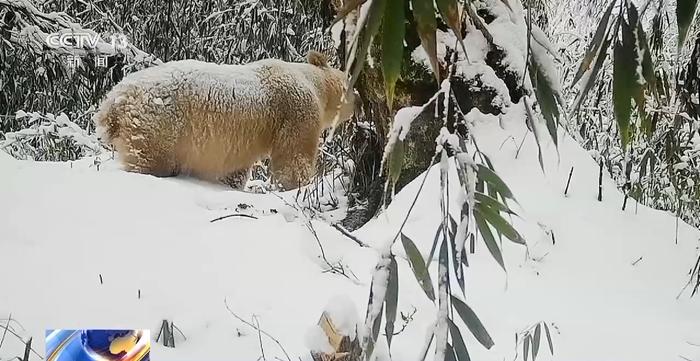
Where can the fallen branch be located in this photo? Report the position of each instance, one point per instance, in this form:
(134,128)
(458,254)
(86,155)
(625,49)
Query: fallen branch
(347,233)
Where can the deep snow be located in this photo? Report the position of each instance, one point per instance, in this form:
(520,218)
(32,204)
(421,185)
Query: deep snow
(62,225)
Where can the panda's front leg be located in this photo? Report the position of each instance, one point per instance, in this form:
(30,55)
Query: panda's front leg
(293,160)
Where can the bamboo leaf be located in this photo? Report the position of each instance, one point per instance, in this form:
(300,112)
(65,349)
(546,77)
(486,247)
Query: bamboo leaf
(549,338)
(450,353)
(507,4)
(392,299)
(369,28)
(596,43)
(649,77)
(424,352)
(418,266)
(458,342)
(392,46)
(546,97)
(473,323)
(376,325)
(685,11)
(499,223)
(530,121)
(493,203)
(456,257)
(375,334)
(478,22)
(593,75)
(526,347)
(493,180)
(396,159)
(626,86)
(489,239)
(449,10)
(426,25)
(536,341)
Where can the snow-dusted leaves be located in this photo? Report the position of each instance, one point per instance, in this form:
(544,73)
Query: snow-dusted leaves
(594,47)
(633,68)
(547,93)
(450,11)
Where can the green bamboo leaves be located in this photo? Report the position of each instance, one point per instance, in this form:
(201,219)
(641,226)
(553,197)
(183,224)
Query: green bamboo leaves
(418,266)
(392,299)
(392,46)
(390,16)
(626,84)
(546,97)
(395,162)
(532,339)
(595,56)
(685,11)
(472,322)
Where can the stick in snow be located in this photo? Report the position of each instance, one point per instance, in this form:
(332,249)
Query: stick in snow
(233,215)
(566,191)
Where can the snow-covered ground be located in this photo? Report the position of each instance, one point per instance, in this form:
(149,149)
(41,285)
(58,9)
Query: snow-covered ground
(609,283)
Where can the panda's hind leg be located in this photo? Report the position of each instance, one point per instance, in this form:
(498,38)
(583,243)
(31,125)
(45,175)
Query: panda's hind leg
(236,179)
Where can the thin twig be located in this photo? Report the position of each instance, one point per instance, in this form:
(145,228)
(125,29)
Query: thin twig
(233,215)
(258,329)
(262,349)
(337,269)
(9,318)
(178,330)
(7,328)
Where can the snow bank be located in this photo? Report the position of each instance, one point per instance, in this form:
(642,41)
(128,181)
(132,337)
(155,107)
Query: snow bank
(607,279)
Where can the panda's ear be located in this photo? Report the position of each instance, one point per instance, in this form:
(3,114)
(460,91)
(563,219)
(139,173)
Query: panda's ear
(316,58)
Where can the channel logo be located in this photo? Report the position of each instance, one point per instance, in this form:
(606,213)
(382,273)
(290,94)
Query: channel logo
(98,345)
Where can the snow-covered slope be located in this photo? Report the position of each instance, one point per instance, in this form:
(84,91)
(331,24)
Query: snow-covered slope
(63,226)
